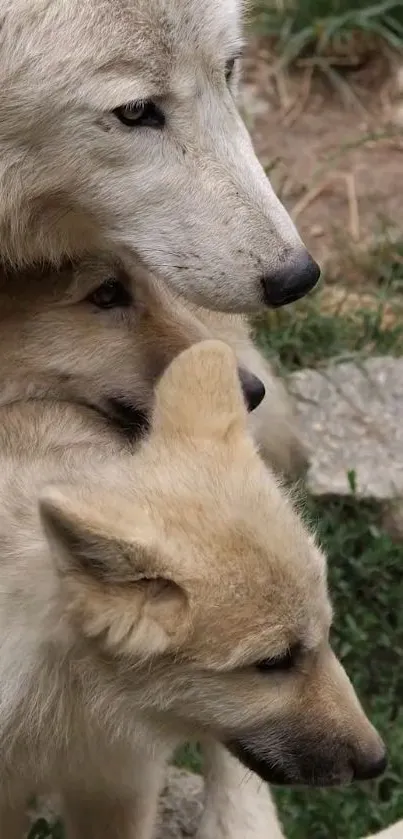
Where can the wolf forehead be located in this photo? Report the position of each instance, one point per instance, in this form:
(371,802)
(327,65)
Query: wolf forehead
(254,579)
(125,37)
(223,508)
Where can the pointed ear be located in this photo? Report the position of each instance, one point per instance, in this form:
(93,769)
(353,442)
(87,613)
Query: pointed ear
(200,393)
(116,582)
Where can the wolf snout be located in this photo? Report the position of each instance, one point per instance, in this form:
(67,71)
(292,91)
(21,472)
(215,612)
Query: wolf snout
(291,281)
(371,764)
(309,760)
(252,387)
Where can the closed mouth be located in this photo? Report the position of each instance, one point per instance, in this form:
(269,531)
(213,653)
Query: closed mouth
(133,422)
(290,296)
(276,775)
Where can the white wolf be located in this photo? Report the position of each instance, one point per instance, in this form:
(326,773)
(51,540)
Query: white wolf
(119,128)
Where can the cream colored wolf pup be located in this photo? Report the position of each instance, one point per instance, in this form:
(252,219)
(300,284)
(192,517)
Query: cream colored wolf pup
(152,597)
(94,334)
(119,128)
(91,334)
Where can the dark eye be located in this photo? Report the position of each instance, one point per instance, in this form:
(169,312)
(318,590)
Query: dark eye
(279,663)
(229,68)
(112,294)
(140,114)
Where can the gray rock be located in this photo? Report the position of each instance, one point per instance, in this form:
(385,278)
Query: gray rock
(351,419)
(181,805)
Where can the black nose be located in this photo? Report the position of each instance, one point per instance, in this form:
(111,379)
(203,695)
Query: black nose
(253,389)
(291,282)
(366,770)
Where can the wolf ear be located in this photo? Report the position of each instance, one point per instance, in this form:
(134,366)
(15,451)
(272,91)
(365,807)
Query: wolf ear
(200,393)
(114,577)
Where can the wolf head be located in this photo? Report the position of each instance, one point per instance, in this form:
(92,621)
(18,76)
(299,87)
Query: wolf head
(95,334)
(197,585)
(119,127)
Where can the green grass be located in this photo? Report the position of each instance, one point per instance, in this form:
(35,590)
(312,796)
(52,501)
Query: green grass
(306,336)
(43,830)
(366,583)
(320,28)
(385,265)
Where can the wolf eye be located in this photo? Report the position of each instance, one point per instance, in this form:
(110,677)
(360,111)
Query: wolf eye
(112,294)
(229,68)
(279,663)
(140,114)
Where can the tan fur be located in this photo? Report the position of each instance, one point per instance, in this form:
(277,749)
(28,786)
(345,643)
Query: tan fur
(55,344)
(190,199)
(138,594)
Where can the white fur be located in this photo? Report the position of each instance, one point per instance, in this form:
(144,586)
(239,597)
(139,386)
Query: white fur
(237,803)
(191,200)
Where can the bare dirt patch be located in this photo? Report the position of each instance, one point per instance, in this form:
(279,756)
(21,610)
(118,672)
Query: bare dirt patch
(333,147)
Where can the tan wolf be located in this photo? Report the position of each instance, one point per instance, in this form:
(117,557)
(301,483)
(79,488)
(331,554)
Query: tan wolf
(93,334)
(119,129)
(150,597)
